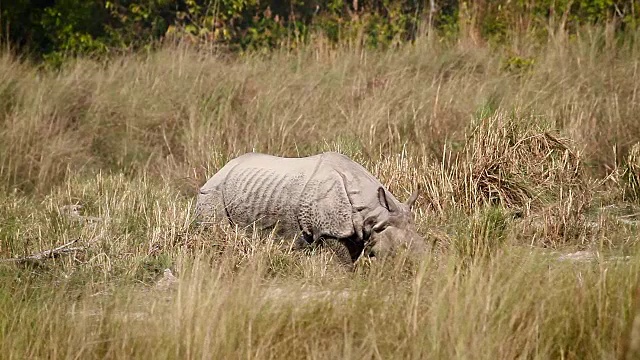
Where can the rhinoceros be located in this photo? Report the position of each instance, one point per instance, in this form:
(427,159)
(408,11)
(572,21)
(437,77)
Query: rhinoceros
(325,196)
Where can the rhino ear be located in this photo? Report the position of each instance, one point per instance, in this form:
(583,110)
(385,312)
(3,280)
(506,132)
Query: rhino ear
(412,199)
(382,198)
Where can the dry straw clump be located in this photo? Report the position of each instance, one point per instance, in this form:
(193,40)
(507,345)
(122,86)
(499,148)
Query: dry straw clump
(504,162)
(517,165)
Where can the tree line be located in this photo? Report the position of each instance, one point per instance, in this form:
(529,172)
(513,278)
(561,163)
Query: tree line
(54,29)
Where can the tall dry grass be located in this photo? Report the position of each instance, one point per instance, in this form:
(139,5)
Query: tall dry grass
(524,152)
(182,111)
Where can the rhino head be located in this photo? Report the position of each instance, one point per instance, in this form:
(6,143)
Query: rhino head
(388,234)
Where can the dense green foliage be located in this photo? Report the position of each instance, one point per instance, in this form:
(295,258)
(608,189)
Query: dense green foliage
(55,29)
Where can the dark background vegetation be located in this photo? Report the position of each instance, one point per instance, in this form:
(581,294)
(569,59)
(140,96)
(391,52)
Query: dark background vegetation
(55,29)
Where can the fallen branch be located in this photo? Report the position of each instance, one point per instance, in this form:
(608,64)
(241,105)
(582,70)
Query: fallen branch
(48,254)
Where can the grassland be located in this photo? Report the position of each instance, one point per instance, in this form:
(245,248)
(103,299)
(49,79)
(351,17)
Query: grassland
(525,153)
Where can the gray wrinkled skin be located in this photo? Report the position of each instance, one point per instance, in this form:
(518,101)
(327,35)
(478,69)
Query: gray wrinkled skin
(318,197)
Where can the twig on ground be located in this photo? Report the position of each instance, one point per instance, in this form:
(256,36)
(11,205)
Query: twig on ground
(48,254)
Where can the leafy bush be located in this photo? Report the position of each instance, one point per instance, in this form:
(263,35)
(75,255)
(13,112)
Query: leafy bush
(56,30)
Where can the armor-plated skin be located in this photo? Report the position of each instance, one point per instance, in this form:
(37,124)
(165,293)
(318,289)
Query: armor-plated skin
(322,196)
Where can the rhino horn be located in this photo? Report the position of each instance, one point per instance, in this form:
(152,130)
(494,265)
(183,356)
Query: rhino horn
(382,197)
(412,199)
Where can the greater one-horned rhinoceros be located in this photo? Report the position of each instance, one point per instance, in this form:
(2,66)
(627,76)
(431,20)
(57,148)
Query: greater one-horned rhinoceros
(326,196)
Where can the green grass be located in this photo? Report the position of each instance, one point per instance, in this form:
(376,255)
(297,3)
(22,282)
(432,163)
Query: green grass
(518,165)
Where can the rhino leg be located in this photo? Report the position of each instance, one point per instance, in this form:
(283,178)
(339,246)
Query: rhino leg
(302,242)
(341,253)
(354,246)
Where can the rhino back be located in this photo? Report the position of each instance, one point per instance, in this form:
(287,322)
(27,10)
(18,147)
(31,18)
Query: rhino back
(263,195)
(302,194)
